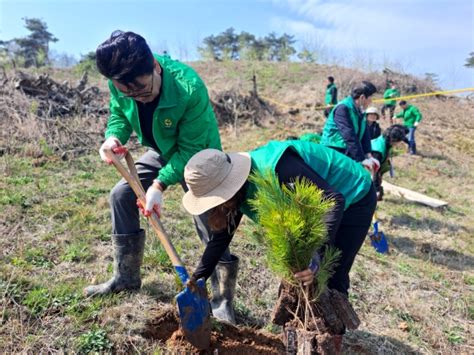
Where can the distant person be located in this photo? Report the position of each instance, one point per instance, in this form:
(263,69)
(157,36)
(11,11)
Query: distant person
(331,96)
(390,93)
(372,116)
(167,105)
(411,119)
(382,151)
(346,130)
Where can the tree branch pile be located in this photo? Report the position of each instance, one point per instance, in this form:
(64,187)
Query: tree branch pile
(60,99)
(39,116)
(235,109)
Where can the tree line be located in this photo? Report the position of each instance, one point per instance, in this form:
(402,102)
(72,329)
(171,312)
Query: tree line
(229,45)
(33,49)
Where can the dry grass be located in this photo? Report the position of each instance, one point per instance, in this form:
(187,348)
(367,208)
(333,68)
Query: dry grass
(55,224)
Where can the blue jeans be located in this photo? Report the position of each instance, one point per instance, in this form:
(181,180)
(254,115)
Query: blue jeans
(411,140)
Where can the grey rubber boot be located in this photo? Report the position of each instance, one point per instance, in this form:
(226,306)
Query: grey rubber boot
(223,282)
(128,249)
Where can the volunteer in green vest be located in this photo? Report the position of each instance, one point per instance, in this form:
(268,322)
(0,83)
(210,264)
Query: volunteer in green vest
(219,183)
(167,105)
(411,119)
(389,103)
(331,96)
(331,92)
(345,129)
(381,150)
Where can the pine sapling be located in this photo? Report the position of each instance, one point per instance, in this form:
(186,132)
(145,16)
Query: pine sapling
(291,228)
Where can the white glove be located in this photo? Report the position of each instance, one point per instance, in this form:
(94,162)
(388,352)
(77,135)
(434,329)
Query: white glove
(154,200)
(376,163)
(110,143)
(371,164)
(416,124)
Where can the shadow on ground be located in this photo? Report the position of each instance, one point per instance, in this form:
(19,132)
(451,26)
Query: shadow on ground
(362,342)
(425,251)
(432,224)
(160,290)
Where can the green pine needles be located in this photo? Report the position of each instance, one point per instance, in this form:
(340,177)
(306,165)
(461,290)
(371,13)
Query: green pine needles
(291,226)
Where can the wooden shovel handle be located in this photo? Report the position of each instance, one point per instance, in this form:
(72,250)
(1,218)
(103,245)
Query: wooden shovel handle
(131,176)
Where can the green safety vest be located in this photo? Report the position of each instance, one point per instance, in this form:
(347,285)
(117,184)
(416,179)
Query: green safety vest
(342,173)
(331,135)
(328,98)
(378,145)
(311,137)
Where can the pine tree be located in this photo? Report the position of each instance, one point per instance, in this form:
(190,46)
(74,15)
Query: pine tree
(470,61)
(34,48)
(291,227)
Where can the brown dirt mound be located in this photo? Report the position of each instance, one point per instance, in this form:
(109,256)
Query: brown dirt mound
(225,338)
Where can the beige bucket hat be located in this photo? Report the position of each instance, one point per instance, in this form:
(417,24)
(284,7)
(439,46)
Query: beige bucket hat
(213,177)
(372,109)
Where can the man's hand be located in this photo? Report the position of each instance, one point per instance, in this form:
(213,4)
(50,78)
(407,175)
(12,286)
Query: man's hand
(110,143)
(307,276)
(371,164)
(192,285)
(154,199)
(416,124)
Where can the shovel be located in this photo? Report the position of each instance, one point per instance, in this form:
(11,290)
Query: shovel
(377,238)
(193,305)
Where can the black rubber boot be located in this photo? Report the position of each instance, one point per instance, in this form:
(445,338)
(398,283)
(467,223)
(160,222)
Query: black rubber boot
(128,258)
(223,282)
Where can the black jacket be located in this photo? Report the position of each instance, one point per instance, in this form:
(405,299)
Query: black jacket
(374,130)
(356,149)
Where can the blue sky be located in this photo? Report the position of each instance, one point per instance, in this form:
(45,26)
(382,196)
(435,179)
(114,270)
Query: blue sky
(418,36)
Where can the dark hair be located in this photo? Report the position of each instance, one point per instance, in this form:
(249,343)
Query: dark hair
(365,88)
(124,57)
(331,79)
(395,133)
(403,102)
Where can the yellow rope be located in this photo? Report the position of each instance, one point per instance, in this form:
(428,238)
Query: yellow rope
(277,103)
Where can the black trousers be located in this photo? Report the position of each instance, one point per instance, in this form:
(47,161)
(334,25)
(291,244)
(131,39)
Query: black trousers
(349,238)
(390,108)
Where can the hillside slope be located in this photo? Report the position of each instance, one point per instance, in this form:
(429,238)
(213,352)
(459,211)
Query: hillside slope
(55,235)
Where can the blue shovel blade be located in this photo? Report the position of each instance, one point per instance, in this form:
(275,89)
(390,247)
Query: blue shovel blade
(194,312)
(379,242)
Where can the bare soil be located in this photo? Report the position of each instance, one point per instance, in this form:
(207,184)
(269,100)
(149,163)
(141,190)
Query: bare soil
(225,338)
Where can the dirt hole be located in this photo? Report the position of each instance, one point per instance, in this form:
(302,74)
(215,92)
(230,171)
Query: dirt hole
(225,339)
